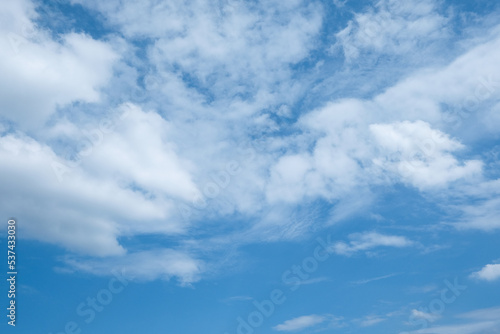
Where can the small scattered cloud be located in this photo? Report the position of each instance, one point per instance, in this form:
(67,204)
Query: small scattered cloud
(300,323)
(369,240)
(490,272)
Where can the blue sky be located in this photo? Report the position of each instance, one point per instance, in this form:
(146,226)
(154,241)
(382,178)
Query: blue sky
(250,167)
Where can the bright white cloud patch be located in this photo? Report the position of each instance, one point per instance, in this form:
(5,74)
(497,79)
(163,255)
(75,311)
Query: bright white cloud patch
(420,155)
(490,272)
(139,152)
(120,183)
(51,73)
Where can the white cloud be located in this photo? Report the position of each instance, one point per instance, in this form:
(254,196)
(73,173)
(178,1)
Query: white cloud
(490,272)
(86,203)
(340,163)
(220,75)
(450,94)
(368,240)
(485,215)
(300,323)
(352,150)
(393,27)
(230,49)
(290,179)
(420,155)
(52,73)
(140,152)
(397,136)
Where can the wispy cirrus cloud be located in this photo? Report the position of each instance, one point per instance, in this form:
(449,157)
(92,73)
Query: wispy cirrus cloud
(374,279)
(155,264)
(300,323)
(480,321)
(368,240)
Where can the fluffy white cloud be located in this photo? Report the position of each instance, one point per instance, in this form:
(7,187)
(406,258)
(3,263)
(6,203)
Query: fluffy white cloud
(84,204)
(421,155)
(300,323)
(341,162)
(400,135)
(51,73)
(490,272)
(333,169)
(140,152)
(350,155)
(393,27)
(218,76)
